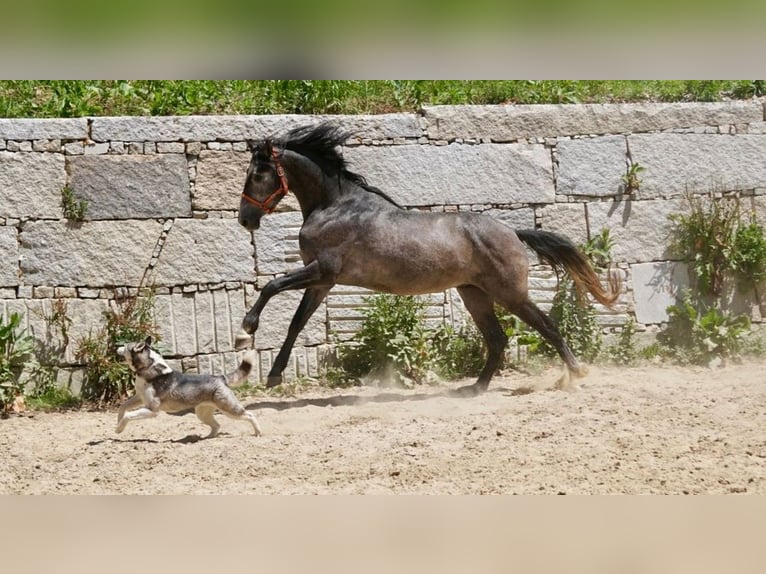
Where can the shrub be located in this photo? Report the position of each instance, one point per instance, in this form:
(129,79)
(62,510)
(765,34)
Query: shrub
(625,352)
(697,334)
(458,352)
(15,350)
(392,341)
(107,378)
(716,243)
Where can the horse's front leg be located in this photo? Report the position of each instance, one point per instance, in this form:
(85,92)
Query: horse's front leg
(312,298)
(299,279)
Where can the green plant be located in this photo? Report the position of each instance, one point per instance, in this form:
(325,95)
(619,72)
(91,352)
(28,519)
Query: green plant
(83,98)
(712,238)
(599,249)
(696,333)
(53,399)
(73,209)
(575,317)
(749,254)
(15,350)
(625,352)
(576,320)
(704,238)
(128,318)
(630,179)
(458,352)
(392,342)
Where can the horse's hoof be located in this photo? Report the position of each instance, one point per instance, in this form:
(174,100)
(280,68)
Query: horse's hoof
(580,372)
(273,381)
(242,341)
(469,390)
(565,383)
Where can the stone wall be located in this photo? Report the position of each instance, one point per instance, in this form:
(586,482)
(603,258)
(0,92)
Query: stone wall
(162,195)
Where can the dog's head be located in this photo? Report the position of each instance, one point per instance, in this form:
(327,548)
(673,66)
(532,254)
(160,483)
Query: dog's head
(144,360)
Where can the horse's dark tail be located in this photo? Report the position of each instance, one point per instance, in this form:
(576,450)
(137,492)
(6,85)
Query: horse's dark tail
(558,251)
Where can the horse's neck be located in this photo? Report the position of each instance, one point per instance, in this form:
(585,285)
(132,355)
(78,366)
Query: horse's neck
(308,183)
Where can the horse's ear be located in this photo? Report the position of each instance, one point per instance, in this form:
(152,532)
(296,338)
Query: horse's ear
(251,145)
(268,147)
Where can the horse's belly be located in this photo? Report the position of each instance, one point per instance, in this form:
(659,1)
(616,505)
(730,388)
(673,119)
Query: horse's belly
(402,277)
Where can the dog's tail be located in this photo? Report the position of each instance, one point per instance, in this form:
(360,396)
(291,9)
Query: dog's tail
(239,376)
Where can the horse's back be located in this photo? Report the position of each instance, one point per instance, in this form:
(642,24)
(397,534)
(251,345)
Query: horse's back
(412,251)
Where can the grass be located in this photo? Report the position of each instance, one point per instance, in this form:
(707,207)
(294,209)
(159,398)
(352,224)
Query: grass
(79,98)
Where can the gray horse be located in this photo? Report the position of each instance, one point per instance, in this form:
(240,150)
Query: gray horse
(354,234)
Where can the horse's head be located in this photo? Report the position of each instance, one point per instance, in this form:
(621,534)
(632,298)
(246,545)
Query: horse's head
(265,185)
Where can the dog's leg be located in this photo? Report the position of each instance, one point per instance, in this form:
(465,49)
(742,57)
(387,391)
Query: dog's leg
(205,414)
(232,408)
(142,413)
(132,402)
(247,416)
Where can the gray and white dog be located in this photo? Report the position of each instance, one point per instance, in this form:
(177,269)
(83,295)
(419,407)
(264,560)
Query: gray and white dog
(158,387)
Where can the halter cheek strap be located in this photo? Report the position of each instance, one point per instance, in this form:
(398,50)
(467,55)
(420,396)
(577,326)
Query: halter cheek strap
(269,204)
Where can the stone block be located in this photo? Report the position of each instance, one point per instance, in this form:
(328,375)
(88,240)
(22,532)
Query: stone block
(9,257)
(514,122)
(591,166)
(205,251)
(31,184)
(641,230)
(240,128)
(131,186)
(568,219)
(276,243)
(457,174)
(93,254)
(43,128)
(220,179)
(674,163)
(522,218)
(657,286)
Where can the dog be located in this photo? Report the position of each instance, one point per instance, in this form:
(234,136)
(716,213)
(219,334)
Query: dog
(158,387)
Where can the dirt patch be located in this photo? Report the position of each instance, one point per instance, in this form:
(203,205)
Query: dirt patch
(645,430)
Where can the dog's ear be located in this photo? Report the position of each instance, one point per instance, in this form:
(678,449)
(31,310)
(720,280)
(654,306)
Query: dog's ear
(148,341)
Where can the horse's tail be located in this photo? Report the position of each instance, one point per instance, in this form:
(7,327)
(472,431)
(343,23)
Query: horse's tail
(558,251)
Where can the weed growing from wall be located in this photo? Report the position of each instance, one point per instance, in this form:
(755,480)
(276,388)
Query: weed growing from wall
(73,209)
(631,180)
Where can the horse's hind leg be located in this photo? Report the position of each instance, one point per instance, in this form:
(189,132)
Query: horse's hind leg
(481,307)
(533,316)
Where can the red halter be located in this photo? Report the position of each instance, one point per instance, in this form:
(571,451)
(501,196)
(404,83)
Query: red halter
(269,204)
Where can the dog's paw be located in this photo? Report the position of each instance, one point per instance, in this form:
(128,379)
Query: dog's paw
(242,341)
(121,424)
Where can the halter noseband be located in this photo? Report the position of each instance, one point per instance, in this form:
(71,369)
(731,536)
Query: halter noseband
(269,204)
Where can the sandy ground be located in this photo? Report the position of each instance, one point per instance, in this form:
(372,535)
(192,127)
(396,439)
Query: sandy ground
(645,430)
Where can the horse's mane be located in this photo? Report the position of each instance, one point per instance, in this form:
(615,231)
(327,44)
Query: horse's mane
(319,143)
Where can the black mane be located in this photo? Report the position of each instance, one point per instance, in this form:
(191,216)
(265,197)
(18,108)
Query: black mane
(319,144)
